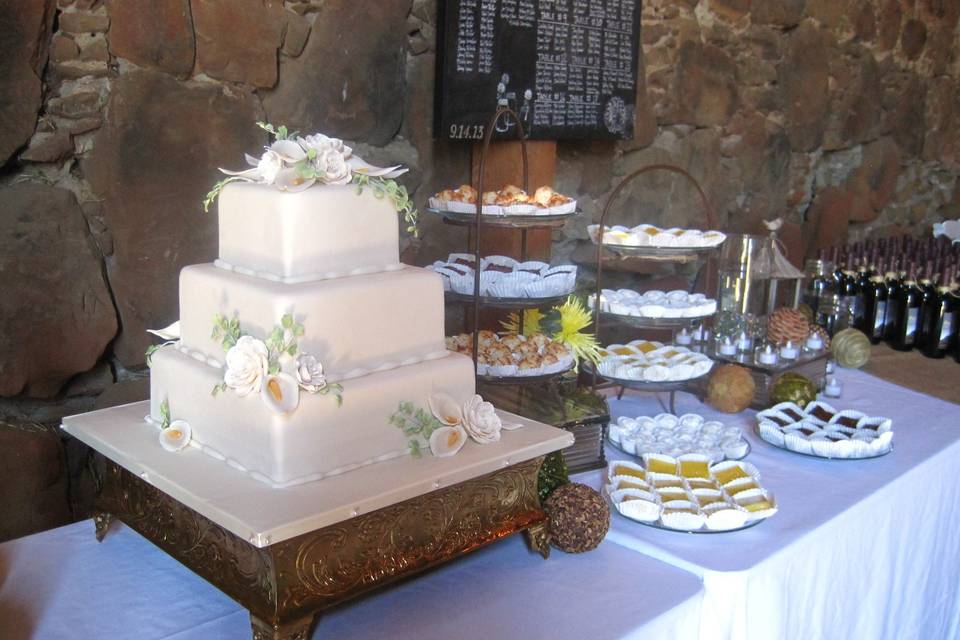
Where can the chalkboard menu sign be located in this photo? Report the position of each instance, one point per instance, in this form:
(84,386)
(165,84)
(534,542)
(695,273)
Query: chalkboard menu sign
(568,68)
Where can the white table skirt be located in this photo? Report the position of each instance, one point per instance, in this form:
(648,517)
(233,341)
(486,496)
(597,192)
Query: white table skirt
(859,549)
(63,584)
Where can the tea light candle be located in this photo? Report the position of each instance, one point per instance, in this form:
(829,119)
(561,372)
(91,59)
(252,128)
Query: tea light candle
(684,338)
(814,342)
(767,356)
(727,348)
(830,366)
(789,352)
(744,342)
(701,334)
(833,388)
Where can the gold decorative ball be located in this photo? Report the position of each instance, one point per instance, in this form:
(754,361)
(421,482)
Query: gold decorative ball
(731,389)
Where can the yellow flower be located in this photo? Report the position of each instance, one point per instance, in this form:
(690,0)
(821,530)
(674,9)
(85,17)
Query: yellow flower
(574,318)
(532,319)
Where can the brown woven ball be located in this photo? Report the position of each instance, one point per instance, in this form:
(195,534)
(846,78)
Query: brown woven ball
(579,518)
(786,324)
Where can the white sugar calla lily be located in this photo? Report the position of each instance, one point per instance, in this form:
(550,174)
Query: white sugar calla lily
(291,181)
(281,393)
(171,332)
(358,165)
(447,441)
(445,409)
(177,436)
(288,150)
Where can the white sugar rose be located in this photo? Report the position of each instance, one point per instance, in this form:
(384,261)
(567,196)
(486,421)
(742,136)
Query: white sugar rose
(321,144)
(247,364)
(334,167)
(481,421)
(310,373)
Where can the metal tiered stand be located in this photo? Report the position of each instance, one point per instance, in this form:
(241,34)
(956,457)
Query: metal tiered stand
(681,255)
(557,400)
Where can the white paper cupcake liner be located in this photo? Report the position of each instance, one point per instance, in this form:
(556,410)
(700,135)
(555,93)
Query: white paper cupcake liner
(682,515)
(616,468)
(561,209)
(725,516)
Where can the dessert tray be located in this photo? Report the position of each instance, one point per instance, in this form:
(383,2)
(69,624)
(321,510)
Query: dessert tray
(651,362)
(825,432)
(502,277)
(511,355)
(509,201)
(689,494)
(678,435)
(655,304)
(648,235)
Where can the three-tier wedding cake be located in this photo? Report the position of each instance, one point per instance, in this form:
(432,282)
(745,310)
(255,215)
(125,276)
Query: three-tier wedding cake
(297,346)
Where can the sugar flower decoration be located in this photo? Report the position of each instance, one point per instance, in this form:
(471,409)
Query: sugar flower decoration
(293,163)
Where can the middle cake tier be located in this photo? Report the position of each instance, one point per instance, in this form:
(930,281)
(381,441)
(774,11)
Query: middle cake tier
(353,325)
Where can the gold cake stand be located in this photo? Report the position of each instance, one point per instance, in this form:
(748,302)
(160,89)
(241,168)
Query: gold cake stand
(289,559)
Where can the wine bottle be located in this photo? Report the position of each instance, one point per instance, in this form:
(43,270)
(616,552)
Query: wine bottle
(908,314)
(928,300)
(875,308)
(893,310)
(939,323)
(851,296)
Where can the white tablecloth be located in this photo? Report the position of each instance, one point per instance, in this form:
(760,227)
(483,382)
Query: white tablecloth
(63,584)
(858,550)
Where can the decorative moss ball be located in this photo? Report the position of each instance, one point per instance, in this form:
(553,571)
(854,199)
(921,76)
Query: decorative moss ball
(851,348)
(731,389)
(793,387)
(579,518)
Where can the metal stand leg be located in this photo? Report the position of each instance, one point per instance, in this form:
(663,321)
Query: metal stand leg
(296,630)
(673,402)
(538,537)
(101,522)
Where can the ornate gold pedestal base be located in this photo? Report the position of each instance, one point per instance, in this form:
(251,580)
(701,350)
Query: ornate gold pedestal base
(285,585)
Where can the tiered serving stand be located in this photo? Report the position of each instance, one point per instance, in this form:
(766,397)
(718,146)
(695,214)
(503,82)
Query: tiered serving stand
(677,255)
(585,412)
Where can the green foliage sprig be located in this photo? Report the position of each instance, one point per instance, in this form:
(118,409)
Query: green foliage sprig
(226,330)
(214,193)
(165,413)
(283,340)
(417,424)
(553,473)
(397,193)
(278,133)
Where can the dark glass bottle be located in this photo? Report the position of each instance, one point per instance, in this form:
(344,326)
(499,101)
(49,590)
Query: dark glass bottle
(939,323)
(928,300)
(893,284)
(874,308)
(907,320)
(852,298)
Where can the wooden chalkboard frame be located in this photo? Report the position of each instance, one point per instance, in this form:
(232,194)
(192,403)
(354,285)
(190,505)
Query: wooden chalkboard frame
(464,101)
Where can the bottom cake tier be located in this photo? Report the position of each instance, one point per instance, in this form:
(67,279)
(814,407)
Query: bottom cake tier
(318,439)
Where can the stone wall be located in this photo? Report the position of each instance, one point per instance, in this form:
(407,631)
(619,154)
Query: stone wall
(839,115)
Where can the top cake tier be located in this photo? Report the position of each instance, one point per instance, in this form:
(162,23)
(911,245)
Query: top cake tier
(316,234)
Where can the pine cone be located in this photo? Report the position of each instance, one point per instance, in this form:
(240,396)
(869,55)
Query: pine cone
(786,324)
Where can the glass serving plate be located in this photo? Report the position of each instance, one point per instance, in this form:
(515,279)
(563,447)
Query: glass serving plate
(661,527)
(506,220)
(665,254)
(641,322)
(506,303)
(543,377)
(756,430)
(638,455)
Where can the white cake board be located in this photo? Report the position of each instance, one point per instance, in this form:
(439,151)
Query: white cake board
(263,515)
